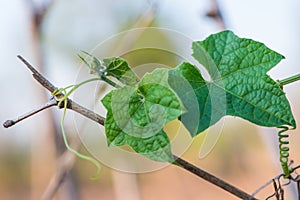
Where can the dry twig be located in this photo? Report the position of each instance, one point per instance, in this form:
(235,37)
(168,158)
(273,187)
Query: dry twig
(66,162)
(216,14)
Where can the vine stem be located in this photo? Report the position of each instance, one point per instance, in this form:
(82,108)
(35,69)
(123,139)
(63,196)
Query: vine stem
(289,80)
(110,82)
(212,179)
(100,120)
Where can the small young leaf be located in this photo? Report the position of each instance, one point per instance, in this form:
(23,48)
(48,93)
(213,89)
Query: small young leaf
(115,67)
(136,115)
(239,87)
(94,64)
(119,68)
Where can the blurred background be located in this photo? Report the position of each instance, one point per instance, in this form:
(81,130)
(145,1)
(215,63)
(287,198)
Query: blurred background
(50,34)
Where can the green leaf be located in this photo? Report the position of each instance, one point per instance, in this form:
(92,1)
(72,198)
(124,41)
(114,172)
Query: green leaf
(94,64)
(239,86)
(136,115)
(197,96)
(119,68)
(115,67)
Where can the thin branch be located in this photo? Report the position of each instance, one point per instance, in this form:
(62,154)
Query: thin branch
(213,179)
(215,13)
(38,76)
(99,119)
(298,189)
(65,165)
(38,12)
(276,178)
(12,122)
(266,184)
(85,112)
(71,104)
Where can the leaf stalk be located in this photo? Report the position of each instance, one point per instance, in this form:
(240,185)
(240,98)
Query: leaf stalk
(289,80)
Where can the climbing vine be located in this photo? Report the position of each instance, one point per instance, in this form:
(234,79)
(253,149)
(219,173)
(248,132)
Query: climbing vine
(138,109)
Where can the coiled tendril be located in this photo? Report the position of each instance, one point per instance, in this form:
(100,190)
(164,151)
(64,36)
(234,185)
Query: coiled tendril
(61,96)
(284,151)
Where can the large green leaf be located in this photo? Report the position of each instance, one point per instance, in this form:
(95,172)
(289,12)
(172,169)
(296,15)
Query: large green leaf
(198,97)
(136,115)
(239,86)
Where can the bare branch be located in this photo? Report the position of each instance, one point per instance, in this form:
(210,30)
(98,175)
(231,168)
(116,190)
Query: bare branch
(99,119)
(49,104)
(66,163)
(38,12)
(213,179)
(216,14)
(71,104)
(38,76)
(85,112)
(298,189)
(277,178)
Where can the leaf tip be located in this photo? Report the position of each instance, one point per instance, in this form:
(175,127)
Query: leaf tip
(293,123)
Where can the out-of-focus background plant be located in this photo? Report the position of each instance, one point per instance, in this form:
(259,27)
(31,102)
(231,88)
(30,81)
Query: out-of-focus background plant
(245,155)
